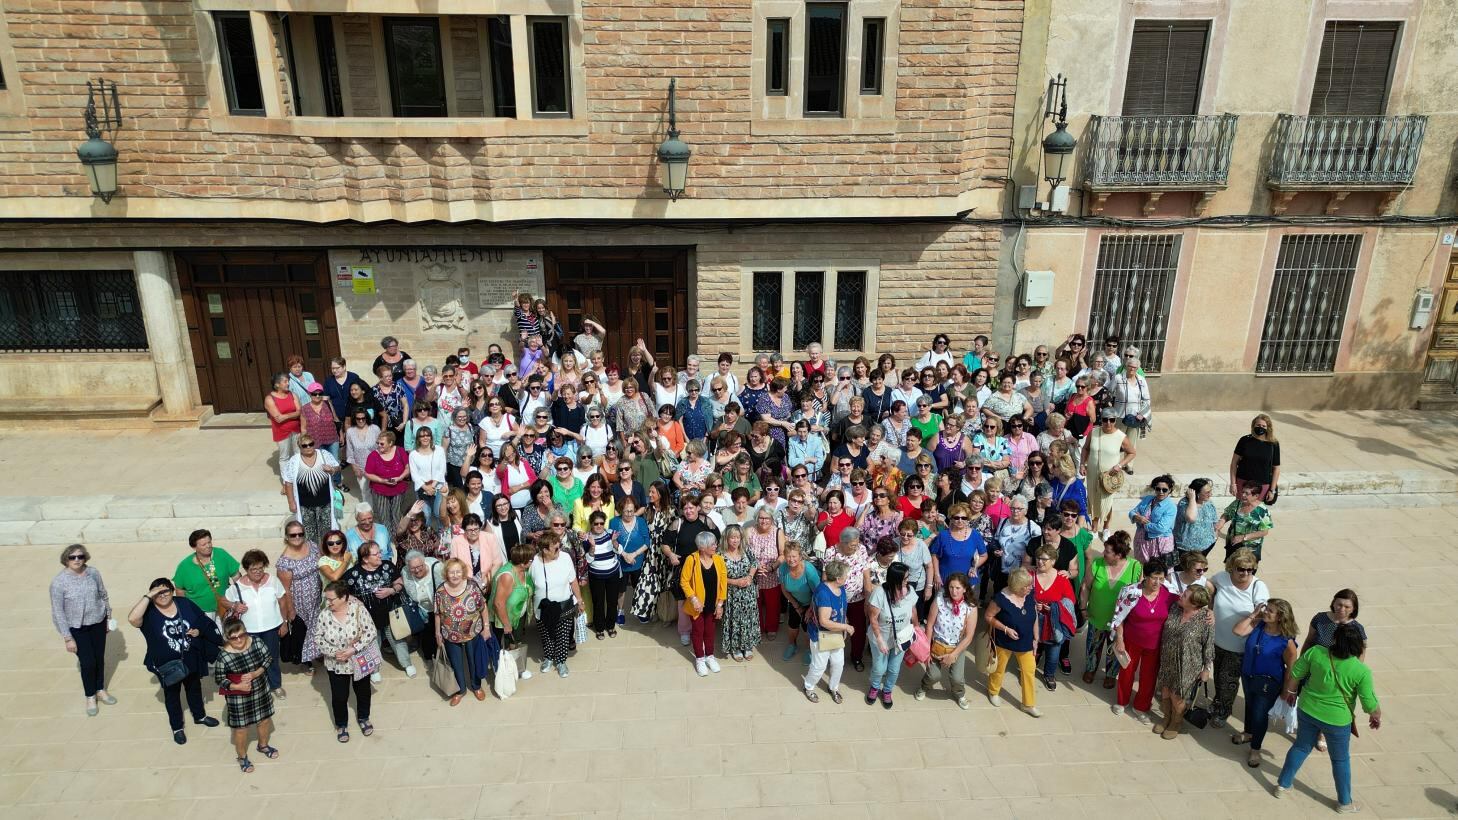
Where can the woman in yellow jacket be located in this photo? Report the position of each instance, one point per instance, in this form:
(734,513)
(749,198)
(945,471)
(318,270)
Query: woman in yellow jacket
(705,584)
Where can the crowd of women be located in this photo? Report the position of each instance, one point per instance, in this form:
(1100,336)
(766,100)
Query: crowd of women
(899,521)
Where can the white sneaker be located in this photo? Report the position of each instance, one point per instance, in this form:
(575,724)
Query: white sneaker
(1144,718)
(920,695)
(410,671)
(1034,711)
(683,640)
(712,662)
(526,674)
(994,700)
(962,704)
(1117,709)
(375,677)
(701,667)
(546,665)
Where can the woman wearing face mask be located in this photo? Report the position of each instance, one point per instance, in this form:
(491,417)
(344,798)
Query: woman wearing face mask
(1257,459)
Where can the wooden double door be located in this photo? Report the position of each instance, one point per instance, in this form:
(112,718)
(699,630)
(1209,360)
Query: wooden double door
(639,293)
(1441,374)
(247,313)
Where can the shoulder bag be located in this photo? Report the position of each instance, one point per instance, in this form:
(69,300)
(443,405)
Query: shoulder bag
(1198,716)
(1348,697)
(828,641)
(172,672)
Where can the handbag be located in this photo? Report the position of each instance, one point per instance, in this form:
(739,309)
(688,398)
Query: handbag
(1111,482)
(1272,497)
(400,627)
(1198,716)
(1283,714)
(830,641)
(367,660)
(1130,420)
(443,675)
(172,672)
(505,681)
(579,628)
(417,617)
(235,686)
(1346,698)
(920,650)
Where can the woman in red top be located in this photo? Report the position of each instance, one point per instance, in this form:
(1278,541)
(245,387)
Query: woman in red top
(1054,597)
(910,504)
(283,418)
(1139,616)
(833,519)
(318,420)
(1080,409)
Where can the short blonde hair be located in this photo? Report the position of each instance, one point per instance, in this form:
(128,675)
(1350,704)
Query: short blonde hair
(1243,558)
(1019,581)
(453,563)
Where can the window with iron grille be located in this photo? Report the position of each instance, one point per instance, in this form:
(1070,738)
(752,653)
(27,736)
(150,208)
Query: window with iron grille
(766,310)
(1308,306)
(826,306)
(809,304)
(70,310)
(1133,285)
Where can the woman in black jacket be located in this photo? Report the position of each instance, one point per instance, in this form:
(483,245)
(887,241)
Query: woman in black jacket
(181,641)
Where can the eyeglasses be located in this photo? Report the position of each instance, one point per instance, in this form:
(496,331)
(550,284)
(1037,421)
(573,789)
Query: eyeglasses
(317,393)
(1161,490)
(882,495)
(542,417)
(303,446)
(1245,570)
(1040,355)
(1076,344)
(858,483)
(334,543)
(801,475)
(1201,570)
(1069,515)
(293,535)
(1042,558)
(988,427)
(561,467)
(558,525)
(77,557)
(923,466)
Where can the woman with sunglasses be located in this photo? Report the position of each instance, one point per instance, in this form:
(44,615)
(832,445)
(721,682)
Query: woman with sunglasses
(298,572)
(1107,576)
(1030,465)
(334,556)
(881,519)
(1192,569)
(308,476)
(1037,397)
(1154,518)
(1195,519)
(1237,593)
(81,613)
(991,446)
(239,672)
(1105,452)
(180,640)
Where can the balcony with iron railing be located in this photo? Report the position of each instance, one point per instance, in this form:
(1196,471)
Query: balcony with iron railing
(1155,154)
(1342,154)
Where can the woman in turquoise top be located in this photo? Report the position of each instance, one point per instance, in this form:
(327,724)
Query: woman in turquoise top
(798,580)
(1335,679)
(1195,518)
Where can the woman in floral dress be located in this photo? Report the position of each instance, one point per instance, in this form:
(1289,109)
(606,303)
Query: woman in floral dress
(298,571)
(655,567)
(741,609)
(767,549)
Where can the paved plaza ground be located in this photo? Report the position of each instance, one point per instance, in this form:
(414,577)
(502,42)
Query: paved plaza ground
(634,733)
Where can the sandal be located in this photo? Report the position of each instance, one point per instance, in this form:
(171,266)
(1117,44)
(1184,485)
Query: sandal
(342,735)
(601,635)
(268,752)
(366,728)
(835,697)
(1240,738)
(860,667)
(811,696)
(1253,759)
(612,633)
(246,765)
(1321,744)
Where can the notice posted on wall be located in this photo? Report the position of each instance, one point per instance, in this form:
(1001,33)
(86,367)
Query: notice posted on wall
(512,272)
(362,278)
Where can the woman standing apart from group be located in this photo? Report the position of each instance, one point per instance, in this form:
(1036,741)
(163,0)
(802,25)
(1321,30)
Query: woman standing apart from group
(81,610)
(176,632)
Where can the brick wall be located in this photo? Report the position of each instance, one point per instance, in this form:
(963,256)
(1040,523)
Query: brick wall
(955,86)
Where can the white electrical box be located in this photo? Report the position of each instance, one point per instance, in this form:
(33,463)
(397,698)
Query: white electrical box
(1058,200)
(1422,309)
(1037,288)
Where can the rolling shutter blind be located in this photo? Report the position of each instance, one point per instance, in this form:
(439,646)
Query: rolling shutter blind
(1355,68)
(1166,63)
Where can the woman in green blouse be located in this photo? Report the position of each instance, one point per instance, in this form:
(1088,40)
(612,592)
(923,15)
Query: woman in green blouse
(1108,574)
(1335,680)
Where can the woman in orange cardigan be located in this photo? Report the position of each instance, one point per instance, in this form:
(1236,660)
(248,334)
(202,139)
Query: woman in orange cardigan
(705,584)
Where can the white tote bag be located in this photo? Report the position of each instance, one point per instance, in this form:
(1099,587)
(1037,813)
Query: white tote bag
(505,684)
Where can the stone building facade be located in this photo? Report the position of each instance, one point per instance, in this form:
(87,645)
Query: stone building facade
(1262,197)
(310,175)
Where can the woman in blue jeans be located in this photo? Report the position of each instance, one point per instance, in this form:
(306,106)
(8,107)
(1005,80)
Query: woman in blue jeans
(892,621)
(1335,680)
(1270,650)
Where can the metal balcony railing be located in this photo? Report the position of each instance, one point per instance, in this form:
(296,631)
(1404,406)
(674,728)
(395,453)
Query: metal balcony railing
(1347,150)
(1154,152)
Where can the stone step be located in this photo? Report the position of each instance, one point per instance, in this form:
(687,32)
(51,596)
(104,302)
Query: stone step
(1331,483)
(132,530)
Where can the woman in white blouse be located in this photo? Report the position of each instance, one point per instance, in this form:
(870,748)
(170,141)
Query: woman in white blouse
(428,473)
(556,595)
